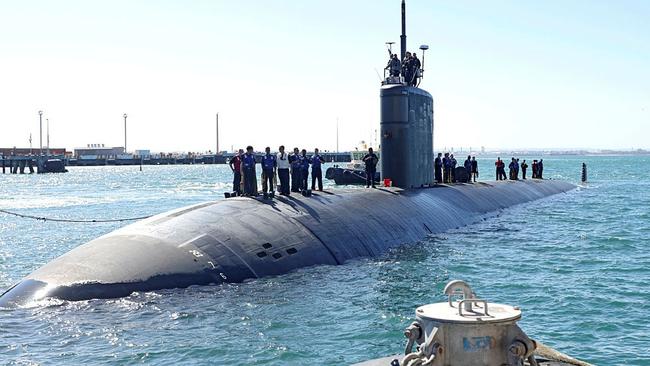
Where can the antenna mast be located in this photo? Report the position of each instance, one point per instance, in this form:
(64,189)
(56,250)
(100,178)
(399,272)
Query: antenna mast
(403,36)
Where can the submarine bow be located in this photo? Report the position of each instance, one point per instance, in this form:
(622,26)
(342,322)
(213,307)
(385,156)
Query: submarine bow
(239,238)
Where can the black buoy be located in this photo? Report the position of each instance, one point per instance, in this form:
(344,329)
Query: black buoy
(584,173)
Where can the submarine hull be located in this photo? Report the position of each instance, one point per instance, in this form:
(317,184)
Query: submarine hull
(240,238)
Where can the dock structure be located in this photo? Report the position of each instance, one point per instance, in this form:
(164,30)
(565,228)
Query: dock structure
(189,159)
(19,164)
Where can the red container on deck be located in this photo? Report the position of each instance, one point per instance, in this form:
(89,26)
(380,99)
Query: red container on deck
(387,182)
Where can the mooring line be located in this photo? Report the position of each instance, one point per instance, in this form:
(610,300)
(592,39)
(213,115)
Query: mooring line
(40,218)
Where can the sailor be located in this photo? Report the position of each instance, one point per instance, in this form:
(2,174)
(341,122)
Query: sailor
(371,160)
(524,166)
(296,174)
(535,169)
(511,169)
(497,164)
(282,161)
(453,163)
(474,168)
(517,169)
(540,169)
(394,66)
(437,166)
(468,168)
(446,164)
(316,173)
(248,172)
(406,68)
(235,166)
(415,69)
(304,168)
(269,164)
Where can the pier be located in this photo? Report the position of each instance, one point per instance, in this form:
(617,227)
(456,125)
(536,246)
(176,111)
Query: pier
(21,164)
(18,164)
(44,164)
(189,159)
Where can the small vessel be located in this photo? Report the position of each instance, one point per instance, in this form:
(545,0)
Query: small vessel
(53,166)
(471,332)
(353,172)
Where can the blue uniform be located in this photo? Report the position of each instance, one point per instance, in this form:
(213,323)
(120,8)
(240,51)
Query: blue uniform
(296,172)
(269,163)
(304,168)
(250,179)
(316,172)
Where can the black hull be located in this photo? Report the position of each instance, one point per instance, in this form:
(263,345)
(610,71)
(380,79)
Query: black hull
(346,176)
(239,238)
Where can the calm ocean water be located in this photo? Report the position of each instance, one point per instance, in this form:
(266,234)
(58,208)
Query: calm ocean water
(576,263)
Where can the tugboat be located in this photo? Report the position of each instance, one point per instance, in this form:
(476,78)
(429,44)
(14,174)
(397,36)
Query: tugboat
(471,332)
(353,172)
(53,166)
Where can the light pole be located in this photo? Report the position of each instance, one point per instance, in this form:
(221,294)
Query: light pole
(40,141)
(124,132)
(48,136)
(337,134)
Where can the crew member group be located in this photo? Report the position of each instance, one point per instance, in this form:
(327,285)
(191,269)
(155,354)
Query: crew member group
(292,170)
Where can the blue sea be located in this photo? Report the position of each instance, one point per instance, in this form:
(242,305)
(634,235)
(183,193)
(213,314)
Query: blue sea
(578,265)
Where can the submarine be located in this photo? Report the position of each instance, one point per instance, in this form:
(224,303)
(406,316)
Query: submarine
(240,238)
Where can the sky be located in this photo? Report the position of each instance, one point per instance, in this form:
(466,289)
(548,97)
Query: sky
(503,74)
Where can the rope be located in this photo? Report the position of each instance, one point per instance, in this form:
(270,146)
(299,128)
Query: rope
(554,355)
(39,218)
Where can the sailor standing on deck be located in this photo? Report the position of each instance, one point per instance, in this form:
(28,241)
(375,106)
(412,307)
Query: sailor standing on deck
(524,166)
(283,171)
(296,174)
(269,164)
(316,173)
(453,163)
(248,172)
(540,169)
(371,160)
(394,66)
(304,168)
(406,68)
(235,166)
(446,164)
(474,168)
(468,168)
(497,164)
(511,169)
(517,169)
(437,166)
(415,69)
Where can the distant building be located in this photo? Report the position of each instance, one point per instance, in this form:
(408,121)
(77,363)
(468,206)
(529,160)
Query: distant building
(143,153)
(97,151)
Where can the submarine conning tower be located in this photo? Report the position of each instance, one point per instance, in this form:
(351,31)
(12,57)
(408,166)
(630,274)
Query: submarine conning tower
(406,129)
